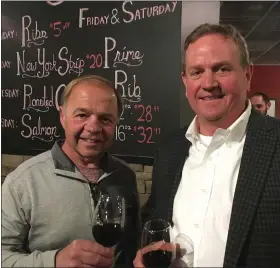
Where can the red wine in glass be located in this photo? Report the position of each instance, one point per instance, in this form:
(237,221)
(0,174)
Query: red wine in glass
(109,220)
(107,234)
(157,258)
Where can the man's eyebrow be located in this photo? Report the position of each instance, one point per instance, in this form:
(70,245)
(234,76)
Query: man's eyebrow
(215,65)
(84,110)
(106,114)
(222,63)
(80,110)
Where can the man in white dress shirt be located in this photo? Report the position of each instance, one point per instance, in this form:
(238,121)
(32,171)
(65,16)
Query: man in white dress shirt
(218,181)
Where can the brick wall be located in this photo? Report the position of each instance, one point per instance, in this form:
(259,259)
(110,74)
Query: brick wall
(143,173)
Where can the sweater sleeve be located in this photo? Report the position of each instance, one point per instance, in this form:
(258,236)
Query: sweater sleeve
(15,229)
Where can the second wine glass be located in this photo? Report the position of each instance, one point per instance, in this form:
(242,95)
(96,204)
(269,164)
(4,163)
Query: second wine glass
(157,251)
(109,220)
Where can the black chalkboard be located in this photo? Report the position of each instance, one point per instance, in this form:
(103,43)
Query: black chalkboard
(46,44)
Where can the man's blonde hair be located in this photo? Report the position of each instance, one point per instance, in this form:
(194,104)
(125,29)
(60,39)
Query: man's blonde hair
(92,79)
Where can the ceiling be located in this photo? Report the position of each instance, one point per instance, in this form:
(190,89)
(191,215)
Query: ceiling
(259,23)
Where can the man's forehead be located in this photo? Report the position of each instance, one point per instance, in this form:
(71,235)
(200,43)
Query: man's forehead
(90,89)
(94,85)
(206,48)
(212,39)
(257,98)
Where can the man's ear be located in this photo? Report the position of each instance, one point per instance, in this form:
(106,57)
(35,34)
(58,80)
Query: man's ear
(62,116)
(268,105)
(184,79)
(249,73)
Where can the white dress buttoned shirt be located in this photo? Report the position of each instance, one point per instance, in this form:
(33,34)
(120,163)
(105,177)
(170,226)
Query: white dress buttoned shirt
(203,202)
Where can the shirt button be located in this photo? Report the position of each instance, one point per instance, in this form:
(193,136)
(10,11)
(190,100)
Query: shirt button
(196,225)
(204,190)
(229,145)
(209,158)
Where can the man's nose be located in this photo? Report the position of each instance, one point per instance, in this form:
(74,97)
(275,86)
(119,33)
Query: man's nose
(209,81)
(93,124)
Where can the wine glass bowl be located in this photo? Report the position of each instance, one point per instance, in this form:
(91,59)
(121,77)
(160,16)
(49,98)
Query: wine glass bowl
(156,249)
(109,220)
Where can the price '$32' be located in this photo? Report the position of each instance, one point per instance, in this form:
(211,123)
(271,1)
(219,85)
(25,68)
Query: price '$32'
(142,134)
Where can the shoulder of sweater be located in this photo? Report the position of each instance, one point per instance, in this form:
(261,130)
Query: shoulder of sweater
(32,165)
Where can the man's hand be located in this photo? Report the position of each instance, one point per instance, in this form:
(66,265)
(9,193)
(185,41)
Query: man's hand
(85,253)
(138,262)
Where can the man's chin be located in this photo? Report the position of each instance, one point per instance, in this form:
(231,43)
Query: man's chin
(213,117)
(90,153)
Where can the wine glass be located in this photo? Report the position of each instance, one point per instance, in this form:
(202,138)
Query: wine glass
(109,220)
(186,253)
(156,247)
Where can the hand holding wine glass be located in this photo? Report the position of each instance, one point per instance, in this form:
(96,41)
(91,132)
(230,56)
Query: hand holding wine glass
(84,253)
(185,252)
(109,220)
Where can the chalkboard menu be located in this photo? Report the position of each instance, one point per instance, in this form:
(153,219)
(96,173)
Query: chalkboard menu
(46,44)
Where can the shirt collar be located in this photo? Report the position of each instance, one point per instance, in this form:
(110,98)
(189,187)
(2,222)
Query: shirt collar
(63,162)
(238,128)
(192,133)
(235,132)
